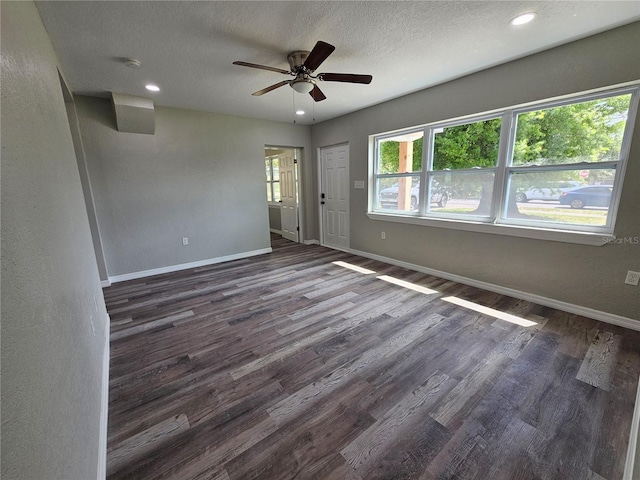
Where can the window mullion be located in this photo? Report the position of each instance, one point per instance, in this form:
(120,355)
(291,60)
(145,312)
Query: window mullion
(564,166)
(505,150)
(427,161)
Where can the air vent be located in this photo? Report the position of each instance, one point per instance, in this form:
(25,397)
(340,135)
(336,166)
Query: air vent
(133,114)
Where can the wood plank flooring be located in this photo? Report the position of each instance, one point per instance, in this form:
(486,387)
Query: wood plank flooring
(295,365)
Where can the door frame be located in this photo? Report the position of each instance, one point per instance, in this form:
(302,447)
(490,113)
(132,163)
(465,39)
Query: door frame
(298,153)
(320,177)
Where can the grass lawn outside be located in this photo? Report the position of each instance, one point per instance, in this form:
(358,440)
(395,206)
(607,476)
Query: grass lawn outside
(556,215)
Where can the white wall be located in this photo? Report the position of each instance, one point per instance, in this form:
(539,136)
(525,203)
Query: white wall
(201,176)
(54,322)
(588,276)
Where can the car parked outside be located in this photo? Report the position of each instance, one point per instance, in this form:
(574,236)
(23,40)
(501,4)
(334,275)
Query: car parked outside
(550,192)
(389,197)
(592,196)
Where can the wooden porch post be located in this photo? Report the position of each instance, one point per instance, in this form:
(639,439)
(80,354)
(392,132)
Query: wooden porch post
(404,184)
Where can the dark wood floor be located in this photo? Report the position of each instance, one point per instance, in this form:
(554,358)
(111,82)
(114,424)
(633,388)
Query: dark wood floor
(290,366)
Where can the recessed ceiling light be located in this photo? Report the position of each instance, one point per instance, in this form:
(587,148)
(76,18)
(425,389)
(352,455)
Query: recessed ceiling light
(299,112)
(522,19)
(153,88)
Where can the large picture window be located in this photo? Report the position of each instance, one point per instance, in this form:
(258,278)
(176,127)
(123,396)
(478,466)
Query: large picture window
(463,166)
(400,166)
(564,162)
(556,165)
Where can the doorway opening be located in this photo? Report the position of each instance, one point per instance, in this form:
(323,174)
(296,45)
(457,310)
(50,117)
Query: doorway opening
(283,191)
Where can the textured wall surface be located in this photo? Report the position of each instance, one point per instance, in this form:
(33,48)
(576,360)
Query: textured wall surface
(54,323)
(583,275)
(201,176)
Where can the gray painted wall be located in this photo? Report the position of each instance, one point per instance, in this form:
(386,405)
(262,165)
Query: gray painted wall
(86,189)
(201,175)
(54,322)
(583,275)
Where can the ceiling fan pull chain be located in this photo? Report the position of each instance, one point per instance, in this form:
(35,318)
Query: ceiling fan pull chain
(293,96)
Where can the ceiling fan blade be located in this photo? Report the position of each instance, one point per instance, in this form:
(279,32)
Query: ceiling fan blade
(317,94)
(268,89)
(262,67)
(345,77)
(318,55)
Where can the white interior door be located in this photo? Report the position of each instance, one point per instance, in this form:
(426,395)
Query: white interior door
(289,196)
(335,196)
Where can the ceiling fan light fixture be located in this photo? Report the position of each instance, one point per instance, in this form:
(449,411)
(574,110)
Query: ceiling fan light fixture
(302,85)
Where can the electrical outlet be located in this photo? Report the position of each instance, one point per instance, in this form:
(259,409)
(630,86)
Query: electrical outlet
(185,240)
(633,278)
(383,235)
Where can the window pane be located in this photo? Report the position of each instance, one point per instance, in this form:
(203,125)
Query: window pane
(581,132)
(462,193)
(269,199)
(399,193)
(573,197)
(400,154)
(276,192)
(276,169)
(267,164)
(472,145)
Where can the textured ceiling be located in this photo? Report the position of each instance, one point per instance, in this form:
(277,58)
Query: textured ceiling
(187,48)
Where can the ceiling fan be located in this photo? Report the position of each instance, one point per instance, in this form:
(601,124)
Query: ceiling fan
(303,63)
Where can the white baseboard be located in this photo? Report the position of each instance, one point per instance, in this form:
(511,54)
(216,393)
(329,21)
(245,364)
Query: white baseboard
(311,242)
(632,450)
(184,266)
(104,406)
(277,232)
(547,302)
(105,283)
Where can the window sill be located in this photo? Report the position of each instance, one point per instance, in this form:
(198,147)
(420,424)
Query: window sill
(565,236)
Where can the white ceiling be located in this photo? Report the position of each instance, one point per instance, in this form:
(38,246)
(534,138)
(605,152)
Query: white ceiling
(187,48)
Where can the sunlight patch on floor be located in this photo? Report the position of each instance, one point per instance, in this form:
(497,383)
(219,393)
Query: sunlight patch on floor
(355,268)
(490,311)
(409,285)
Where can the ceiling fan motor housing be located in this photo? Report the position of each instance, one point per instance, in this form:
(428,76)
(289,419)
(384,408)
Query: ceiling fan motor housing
(296,59)
(302,83)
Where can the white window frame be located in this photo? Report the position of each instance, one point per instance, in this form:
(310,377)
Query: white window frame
(272,181)
(420,173)
(497,222)
(431,131)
